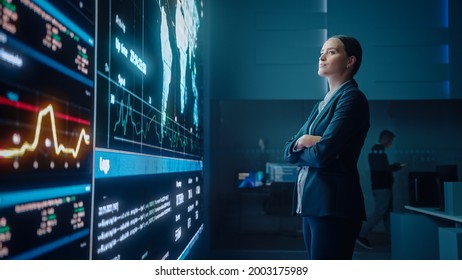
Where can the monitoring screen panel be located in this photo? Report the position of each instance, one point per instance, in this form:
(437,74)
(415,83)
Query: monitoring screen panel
(101,121)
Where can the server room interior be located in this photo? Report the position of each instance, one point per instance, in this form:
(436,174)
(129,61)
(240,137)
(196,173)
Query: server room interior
(252,115)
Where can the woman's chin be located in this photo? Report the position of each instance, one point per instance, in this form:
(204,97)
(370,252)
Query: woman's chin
(322,73)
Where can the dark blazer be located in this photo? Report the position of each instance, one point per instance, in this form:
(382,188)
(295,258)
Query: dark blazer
(332,186)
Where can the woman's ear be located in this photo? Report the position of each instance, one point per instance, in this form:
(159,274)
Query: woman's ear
(351,61)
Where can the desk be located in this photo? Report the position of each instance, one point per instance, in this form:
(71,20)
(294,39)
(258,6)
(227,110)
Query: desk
(423,233)
(436,213)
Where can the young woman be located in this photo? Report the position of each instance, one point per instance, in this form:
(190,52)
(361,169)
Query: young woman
(328,194)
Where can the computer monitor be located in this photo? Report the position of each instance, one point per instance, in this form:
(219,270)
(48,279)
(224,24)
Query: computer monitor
(281,172)
(251,179)
(423,189)
(447,173)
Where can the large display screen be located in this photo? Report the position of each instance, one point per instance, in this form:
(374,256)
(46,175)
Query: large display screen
(101,129)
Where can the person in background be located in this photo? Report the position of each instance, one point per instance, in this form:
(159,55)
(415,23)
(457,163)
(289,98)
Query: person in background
(381,183)
(328,194)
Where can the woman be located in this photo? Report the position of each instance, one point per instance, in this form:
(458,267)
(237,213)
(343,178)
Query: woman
(328,194)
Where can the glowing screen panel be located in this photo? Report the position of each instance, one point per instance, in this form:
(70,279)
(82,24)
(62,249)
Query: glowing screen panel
(148,158)
(101,129)
(46,118)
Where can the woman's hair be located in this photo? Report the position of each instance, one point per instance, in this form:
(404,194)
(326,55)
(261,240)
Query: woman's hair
(352,48)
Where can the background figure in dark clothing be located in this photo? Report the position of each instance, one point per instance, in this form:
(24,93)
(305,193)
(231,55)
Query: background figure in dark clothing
(382,183)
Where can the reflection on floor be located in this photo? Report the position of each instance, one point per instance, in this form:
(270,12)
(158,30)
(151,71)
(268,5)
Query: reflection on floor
(290,247)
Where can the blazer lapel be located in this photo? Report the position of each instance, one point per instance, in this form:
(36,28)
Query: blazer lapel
(312,117)
(329,104)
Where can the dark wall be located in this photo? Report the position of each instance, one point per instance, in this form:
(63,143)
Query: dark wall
(265,49)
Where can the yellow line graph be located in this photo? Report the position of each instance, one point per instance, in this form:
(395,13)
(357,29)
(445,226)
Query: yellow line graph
(59,148)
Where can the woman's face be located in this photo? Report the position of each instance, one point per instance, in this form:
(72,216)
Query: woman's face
(333,60)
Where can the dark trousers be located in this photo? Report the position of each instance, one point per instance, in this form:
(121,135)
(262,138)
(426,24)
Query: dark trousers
(330,238)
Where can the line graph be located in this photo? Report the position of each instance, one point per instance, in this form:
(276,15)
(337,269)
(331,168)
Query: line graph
(84,137)
(28,107)
(171,135)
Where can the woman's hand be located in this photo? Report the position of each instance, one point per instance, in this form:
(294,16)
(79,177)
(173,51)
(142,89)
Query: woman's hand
(307,141)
